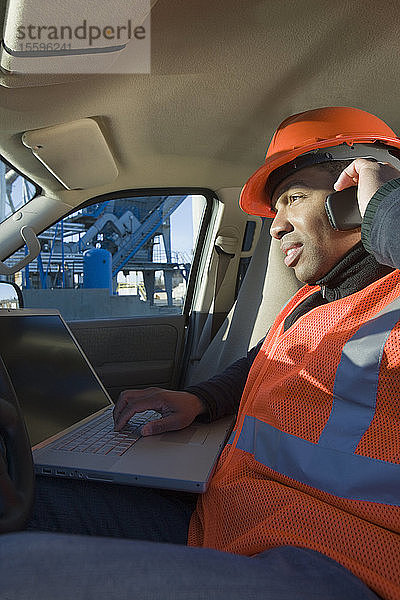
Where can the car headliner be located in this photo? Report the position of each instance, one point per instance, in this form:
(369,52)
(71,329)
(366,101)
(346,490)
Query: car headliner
(223,75)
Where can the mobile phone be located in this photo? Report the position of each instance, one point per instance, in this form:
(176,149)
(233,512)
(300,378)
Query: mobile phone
(342,209)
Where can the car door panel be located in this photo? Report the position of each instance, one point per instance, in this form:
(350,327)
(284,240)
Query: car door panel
(133,353)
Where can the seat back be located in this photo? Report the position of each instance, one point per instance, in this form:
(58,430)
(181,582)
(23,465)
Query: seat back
(267,286)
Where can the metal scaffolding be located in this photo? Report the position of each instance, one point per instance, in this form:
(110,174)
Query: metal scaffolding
(131,229)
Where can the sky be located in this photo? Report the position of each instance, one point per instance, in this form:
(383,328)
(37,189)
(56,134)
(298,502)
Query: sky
(182,226)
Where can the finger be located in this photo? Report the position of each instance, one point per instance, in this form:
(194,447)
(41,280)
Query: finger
(122,402)
(348,177)
(344,181)
(132,408)
(130,396)
(169,423)
(128,412)
(351,174)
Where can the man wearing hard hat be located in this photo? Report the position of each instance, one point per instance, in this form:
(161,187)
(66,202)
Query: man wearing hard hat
(316,443)
(314,459)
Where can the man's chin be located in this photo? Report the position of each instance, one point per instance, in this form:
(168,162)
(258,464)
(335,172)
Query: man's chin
(310,271)
(304,277)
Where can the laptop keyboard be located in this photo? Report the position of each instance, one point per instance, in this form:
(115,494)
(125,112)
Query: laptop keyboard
(99,437)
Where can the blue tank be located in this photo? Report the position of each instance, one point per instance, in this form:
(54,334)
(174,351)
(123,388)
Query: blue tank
(97,271)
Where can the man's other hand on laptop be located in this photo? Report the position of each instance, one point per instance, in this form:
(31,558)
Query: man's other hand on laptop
(177,409)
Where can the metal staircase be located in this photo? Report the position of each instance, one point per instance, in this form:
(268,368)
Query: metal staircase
(131,244)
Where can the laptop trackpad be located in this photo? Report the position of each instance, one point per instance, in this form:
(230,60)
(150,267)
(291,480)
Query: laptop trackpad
(189,435)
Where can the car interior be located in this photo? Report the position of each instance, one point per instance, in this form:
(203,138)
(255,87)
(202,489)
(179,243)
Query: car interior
(222,76)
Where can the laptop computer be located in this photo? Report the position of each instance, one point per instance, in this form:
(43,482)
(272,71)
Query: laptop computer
(60,395)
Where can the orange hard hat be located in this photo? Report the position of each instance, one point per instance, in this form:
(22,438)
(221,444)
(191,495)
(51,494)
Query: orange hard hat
(320,135)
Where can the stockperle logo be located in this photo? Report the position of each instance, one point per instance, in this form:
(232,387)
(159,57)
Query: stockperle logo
(55,37)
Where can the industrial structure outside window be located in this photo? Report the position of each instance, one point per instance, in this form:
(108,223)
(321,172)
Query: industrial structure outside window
(124,257)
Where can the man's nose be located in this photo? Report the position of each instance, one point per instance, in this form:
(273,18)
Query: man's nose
(280,225)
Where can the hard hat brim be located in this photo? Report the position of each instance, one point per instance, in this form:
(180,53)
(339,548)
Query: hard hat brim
(255,199)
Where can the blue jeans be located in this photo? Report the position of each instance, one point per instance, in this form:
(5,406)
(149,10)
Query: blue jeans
(103,509)
(40,566)
(43,566)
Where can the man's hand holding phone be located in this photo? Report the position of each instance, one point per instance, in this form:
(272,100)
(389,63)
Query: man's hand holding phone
(368,176)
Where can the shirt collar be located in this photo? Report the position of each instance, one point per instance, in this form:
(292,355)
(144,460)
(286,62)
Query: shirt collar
(353,272)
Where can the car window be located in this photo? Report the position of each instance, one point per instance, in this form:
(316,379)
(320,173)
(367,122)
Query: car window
(122,257)
(15,191)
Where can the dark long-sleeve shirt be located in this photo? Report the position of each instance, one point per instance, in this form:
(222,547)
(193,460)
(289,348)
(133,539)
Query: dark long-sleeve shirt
(368,261)
(380,228)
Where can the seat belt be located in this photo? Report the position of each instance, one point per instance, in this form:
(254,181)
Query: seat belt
(225,248)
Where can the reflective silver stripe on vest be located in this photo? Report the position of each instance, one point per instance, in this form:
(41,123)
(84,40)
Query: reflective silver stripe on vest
(356,381)
(345,475)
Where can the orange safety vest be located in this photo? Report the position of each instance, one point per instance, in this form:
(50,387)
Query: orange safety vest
(314,459)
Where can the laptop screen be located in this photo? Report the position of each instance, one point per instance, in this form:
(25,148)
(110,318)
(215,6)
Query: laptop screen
(54,384)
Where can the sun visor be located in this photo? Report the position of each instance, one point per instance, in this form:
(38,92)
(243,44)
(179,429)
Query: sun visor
(76,153)
(53,37)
